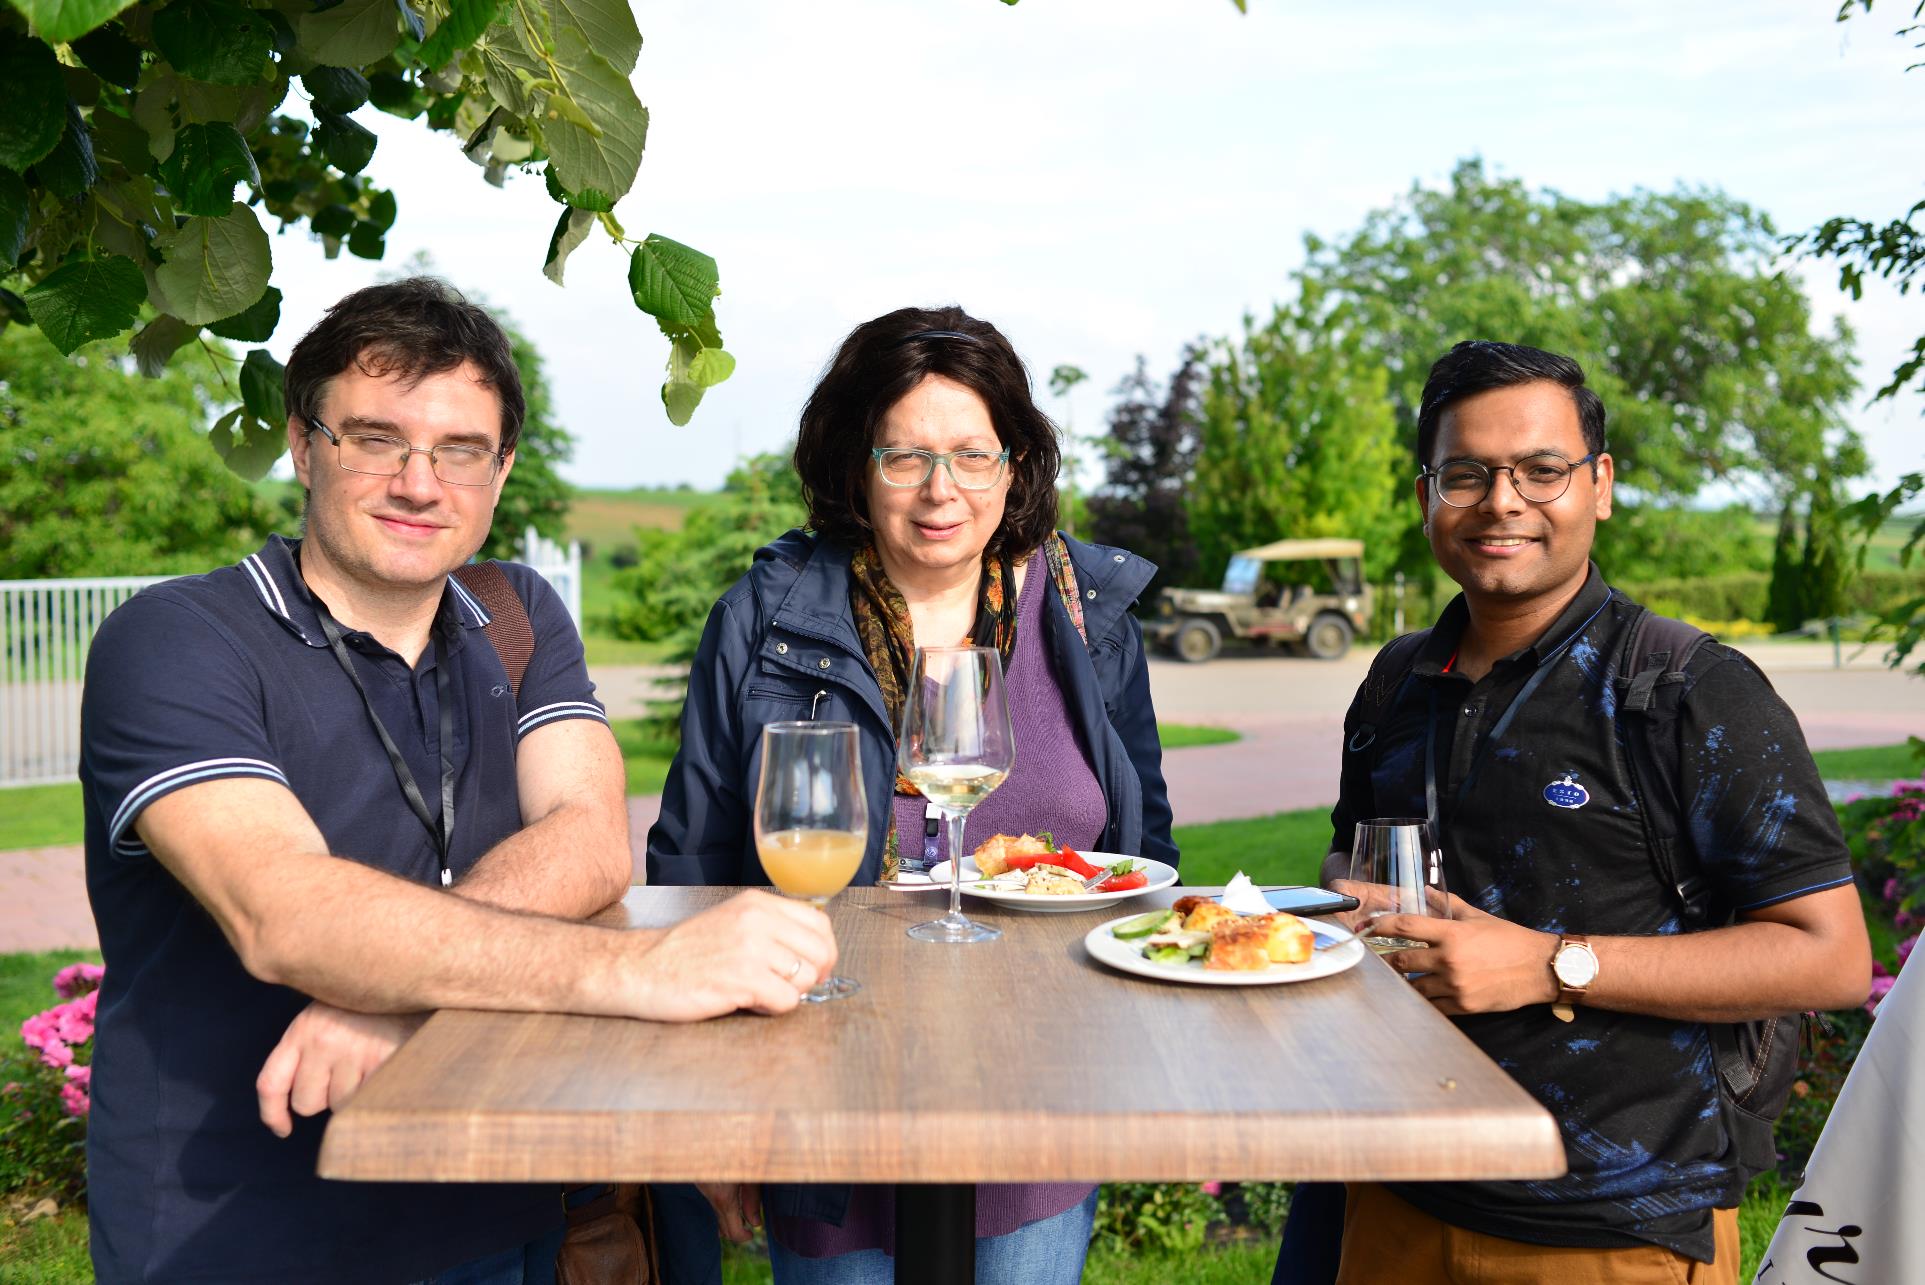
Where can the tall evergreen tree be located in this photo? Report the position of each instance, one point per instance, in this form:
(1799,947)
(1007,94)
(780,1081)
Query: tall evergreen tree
(1784,603)
(1143,504)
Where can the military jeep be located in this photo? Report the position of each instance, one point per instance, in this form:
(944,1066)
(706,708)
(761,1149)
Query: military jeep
(1258,602)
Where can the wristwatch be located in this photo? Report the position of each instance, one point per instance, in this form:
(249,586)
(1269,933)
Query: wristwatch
(1574,968)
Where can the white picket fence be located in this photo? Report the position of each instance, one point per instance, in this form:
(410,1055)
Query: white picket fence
(46,627)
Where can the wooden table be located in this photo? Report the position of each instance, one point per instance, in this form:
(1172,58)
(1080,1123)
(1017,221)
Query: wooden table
(1009,1061)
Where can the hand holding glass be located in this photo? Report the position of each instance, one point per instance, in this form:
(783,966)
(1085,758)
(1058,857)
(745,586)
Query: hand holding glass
(1396,868)
(812,817)
(957,746)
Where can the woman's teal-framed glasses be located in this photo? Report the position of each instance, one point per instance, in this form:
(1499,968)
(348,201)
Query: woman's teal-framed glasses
(974,470)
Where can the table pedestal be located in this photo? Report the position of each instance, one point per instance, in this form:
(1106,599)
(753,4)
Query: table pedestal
(940,1245)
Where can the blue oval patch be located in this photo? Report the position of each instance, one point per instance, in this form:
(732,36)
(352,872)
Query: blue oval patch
(1566,793)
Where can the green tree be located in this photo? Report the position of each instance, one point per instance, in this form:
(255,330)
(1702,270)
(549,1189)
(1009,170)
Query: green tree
(127,128)
(144,499)
(1895,250)
(535,494)
(1298,438)
(1825,570)
(1701,346)
(1784,605)
(1143,505)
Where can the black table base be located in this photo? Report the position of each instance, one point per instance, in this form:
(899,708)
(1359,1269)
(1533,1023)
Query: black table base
(936,1235)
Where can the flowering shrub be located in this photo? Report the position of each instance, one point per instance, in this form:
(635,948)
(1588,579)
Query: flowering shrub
(1158,1218)
(45,1091)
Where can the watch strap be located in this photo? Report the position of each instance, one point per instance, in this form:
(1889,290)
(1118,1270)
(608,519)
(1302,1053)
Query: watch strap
(1567,995)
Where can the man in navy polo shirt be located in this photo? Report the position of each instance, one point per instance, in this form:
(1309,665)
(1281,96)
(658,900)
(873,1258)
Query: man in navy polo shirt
(315,809)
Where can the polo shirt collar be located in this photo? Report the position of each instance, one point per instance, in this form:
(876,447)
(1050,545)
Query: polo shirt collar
(275,574)
(1441,647)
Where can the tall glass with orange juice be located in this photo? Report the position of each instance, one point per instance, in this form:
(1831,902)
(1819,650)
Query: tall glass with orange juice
(812,818)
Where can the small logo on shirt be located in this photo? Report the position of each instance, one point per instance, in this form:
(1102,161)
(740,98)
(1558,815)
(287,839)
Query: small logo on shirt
(1566,793)
(499,689)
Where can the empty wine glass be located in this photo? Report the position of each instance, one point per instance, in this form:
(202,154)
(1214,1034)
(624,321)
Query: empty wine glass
(1398,869)
(957,746)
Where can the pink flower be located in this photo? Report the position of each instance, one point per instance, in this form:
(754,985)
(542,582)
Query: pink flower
(1212,1188)
(1880,987)
(77,979)
(1892,890)
(1905,949)
(74,1100)
(81,1075)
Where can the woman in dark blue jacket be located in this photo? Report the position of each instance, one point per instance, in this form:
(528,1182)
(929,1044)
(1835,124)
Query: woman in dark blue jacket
(930,477)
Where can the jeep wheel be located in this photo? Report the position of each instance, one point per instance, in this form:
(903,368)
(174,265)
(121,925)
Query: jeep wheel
(1198,641)
(1328,637)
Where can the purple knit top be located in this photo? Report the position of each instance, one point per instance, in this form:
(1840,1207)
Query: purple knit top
(1052,787)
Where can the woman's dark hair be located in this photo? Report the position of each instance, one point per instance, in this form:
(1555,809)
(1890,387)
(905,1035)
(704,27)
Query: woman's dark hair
(875,368)
(1479,365)
(412,328)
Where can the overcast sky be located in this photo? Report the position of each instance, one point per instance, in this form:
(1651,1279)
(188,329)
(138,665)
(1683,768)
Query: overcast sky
(1103,178)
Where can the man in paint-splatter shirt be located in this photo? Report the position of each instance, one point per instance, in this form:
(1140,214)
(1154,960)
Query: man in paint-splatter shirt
(1565,958)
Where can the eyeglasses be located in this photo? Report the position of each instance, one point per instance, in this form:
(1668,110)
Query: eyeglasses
(971,470)
(379,455)
(1537,478)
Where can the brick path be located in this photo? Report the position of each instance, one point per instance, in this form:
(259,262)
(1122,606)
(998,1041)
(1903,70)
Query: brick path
(1290,713)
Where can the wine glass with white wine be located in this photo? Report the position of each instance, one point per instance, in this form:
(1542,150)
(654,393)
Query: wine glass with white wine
(956,746)
(812,818)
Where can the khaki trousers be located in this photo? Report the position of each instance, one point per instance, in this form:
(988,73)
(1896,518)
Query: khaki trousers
(1389,1242)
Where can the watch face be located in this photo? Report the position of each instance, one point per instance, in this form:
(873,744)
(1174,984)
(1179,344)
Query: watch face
(1575,966)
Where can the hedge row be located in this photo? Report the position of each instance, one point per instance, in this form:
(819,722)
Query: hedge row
(1741,595)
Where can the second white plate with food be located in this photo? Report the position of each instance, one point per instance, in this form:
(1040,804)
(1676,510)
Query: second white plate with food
(1336,950)
(1008,893)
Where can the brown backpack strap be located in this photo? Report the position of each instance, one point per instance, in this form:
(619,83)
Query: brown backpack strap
(507,628)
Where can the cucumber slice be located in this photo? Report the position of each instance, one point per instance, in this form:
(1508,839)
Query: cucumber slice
(1143,925)
(1167,955)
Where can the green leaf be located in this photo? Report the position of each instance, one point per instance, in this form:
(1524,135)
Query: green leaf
(261,387)
(465,22)
(88,300)
(15,208)
(710,367)
(332,220)
(679,399)
(70,169)
(353,33)
(608,27)
(593,127)
(218,41)
(349,147)
(206,163)
(570,232)
(253,325)
(119,139)
(13,309)
(213,268)
(33,102)
(396,95)
(336,89)
(109,54)
(672,282)
(381,211)
(367,242)
(60,21)
(248,446)
(159,340)
(154,113)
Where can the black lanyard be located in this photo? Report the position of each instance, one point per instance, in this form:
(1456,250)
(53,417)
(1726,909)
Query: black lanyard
(443,835)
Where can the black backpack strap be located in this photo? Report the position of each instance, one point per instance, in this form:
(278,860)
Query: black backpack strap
(1388,670)
(1655,654)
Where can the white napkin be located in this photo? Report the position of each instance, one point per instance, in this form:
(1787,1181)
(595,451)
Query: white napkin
(1242,896)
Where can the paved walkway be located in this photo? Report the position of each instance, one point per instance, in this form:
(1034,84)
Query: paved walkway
(1289,712)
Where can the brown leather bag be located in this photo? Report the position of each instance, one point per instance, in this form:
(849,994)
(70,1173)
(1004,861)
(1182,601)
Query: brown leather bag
(610,1240)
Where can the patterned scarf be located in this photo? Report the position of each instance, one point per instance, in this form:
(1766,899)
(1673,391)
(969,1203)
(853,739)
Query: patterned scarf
(889,639)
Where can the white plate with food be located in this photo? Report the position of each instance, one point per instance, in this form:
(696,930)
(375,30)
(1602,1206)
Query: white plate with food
(1032,873)
(1200,942)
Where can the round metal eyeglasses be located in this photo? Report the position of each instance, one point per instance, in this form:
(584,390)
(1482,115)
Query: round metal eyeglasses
(379,455)
(1537,478)
(971,470)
